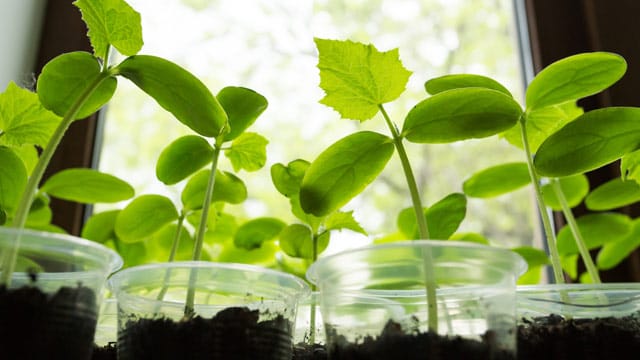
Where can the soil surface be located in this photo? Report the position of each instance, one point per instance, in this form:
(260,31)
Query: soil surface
(305,351)
(107,352)
(554,337)
(393,343)
(234,333)
(36,325)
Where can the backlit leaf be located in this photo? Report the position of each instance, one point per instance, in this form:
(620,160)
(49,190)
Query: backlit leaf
(65,79)
(227,188)
(183,157)
(596,229)
(357,78)
(340,220)
(248,151)
(497,180)
(243,106)
(343,170)
(287,179)
(457,81)
(615,252)
(101,227)
(296,240)
(461,114)
(144,216)
(574,77)
(594,139)
(613,194)
(87,186)
(630,166)
(177,91)
(574,188)
(443,218)
(253,233)
(13,179)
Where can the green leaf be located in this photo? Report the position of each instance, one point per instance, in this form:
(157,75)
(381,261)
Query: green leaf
(615,252)
(343,170)
(287,179)
(111,22)
(461,114)
(144,216)
(594,139)
(574,188)
(23,119)
(177,91)
(596,229)
(630,166)
(296,240)
(101,227)
(343,220)
(65,80)
(541,123)
(534,257)
(470,237)
(248,151)
(87,186)
(227,188)
(29,156)
(357,78)
(40,213)
(243,106)
(264,256)
(570,265)
(183,157)
(161,242)
(443,218)
(458,81)
(13,179)
(222,229)
(613,194)
(252,234)
(574,77)
(497,180)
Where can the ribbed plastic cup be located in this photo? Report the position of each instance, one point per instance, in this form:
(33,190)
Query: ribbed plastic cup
(241,311)
(49,310)
(475,292)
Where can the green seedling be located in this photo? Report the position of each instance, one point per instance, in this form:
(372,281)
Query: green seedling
(561,143)
(358,80)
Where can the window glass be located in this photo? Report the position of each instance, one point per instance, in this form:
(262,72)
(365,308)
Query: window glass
(267,45)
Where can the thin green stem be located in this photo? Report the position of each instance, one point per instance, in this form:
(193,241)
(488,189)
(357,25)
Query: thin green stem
(202,228)
(429,272)
(22,211)
(172,256)
(312,316)
(592,270)
(542,208)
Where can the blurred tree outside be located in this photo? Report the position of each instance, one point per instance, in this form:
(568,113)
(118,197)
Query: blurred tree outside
(267,45)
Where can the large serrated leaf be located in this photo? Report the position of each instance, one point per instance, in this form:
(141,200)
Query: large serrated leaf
(111,22)
(87,186)
(357,78)
(573,78)
(178,91)
(23,119)
(497,180)
(343,170)
(66,79)
(183,157)
(340,220)
(144,216)
(594,139)
(461,114)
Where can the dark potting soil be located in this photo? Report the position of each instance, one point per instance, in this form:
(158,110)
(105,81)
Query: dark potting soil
(36,325)
(106,352)
(234,333)
(554,337)
(394,343)
(306,351)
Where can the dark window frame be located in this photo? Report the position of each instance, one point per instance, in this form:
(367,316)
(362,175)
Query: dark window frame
(555,29)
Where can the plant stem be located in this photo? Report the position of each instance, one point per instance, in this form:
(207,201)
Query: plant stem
(172,256)
(429,273)
(312,316)
(592,270)
(202,228)
(542,208)
(22,211)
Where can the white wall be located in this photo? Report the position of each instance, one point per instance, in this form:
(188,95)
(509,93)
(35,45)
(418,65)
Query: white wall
(20,24)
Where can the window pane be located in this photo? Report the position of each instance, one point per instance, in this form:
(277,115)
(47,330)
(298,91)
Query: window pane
(267,45)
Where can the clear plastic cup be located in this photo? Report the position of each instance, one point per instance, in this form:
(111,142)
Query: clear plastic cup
(55,291)
(584,320)
(475,292)
(241,311)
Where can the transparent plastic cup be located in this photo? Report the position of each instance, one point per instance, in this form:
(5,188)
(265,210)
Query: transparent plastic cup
(585,320)
(475,292)
(241,311)
(49,310)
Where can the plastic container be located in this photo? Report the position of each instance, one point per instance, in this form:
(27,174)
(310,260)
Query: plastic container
(50,308)
(586,320)
(241,311)
(309,317)
(475,292)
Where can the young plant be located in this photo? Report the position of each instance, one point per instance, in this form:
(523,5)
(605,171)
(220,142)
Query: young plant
(551,105)
(358,80)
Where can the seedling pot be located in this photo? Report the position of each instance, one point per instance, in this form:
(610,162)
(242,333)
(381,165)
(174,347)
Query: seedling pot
(374,305)
(579,321)
(106,331)
(49,311)
(309,335)
(240,311)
